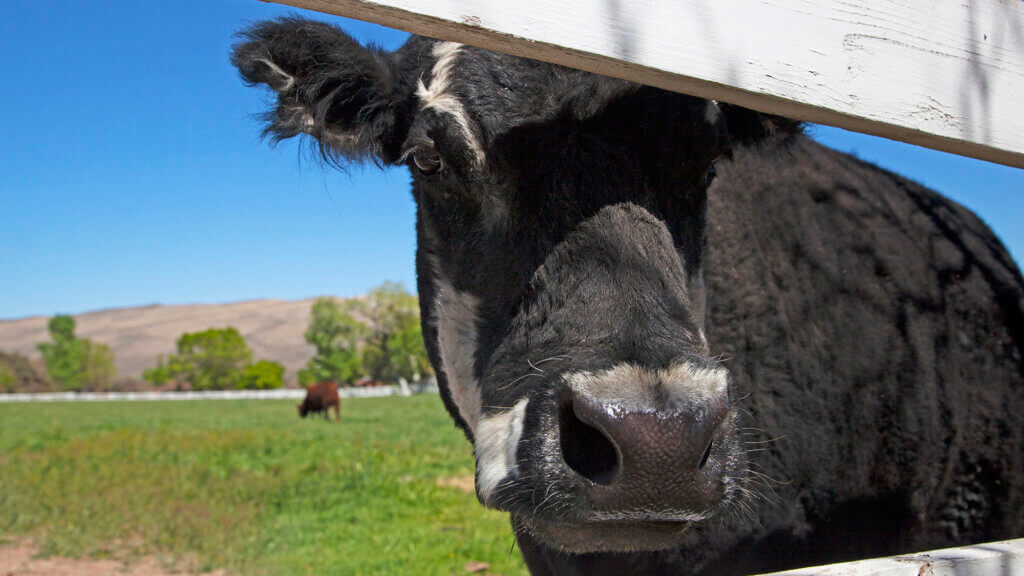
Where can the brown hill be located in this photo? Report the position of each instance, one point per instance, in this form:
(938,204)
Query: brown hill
(273,329)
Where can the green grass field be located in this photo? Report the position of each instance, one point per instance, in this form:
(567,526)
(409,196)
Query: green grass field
(248,486)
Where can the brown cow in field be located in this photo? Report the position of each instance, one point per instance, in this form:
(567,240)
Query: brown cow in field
(319,398)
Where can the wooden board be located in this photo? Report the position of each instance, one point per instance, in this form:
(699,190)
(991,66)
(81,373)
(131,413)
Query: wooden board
(1004,558)
(945,74)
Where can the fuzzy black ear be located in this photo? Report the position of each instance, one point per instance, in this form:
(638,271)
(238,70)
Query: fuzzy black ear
(747,126)
(348,97)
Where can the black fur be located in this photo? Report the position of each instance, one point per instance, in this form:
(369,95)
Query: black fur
(353,100)
(872,329)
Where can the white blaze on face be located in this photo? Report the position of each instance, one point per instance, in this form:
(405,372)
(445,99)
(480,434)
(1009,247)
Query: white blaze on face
(497,439)
(456,318)
(699,299)
(436,96)
(496,436)
(631,387)
(712,112)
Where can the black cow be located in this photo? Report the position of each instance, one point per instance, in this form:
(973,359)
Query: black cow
(321,397)
(809,360)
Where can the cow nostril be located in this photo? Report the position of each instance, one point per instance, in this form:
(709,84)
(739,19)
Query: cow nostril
(585,449)
(704,458)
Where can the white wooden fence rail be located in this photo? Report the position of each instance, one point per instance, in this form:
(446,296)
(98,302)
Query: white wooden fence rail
(939,73)
(1004,558)
(425,386)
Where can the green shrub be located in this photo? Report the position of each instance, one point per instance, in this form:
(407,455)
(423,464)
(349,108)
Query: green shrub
(263,375)
(214,359)
(158,375)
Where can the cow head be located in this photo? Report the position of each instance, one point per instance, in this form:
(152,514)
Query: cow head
(560,221)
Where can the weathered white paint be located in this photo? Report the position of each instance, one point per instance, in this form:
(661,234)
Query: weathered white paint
(1004,558)
(944,74)
(497,440)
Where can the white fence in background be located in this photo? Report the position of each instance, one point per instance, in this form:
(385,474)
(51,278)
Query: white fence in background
(424,386)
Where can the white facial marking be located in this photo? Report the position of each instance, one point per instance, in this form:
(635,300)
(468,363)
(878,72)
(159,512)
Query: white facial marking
(286,79)
(497,439)
(629,515)
(446,53)
(712,112)
(436,95)
(455,316)
(630,387)
(699,299)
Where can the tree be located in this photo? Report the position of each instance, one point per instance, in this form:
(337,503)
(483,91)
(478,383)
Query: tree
(389,349)
(394,349)
(98,370)
(18,374)
(76,363)
(215,359)
(210,360)
(8,380)
(160,374)
(262,375)
(335,334)
(62,356)
(410,354)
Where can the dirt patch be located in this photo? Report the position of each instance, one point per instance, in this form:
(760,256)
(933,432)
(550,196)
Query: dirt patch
(460,483)
(20,559)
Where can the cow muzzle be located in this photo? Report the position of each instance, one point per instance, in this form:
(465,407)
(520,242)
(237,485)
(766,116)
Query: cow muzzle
(626,459)
(649,454)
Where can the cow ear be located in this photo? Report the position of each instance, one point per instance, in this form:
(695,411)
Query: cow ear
(344,95)
(747,126)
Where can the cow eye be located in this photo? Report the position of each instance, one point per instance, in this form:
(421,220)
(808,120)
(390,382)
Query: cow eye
(427,160)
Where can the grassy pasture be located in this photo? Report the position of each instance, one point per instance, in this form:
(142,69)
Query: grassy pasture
(248,486)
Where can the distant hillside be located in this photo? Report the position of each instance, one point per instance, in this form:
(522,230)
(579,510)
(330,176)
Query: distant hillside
(273,329)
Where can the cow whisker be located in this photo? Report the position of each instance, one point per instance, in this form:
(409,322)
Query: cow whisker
(751,490)
(772,479)
(547,496)
(766,441)
(559,357)
(742,508)
(510,384)
(722,358)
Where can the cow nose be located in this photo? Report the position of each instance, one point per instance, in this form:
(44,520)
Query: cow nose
(650,453)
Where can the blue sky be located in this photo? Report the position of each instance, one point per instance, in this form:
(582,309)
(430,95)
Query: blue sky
(132,171)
